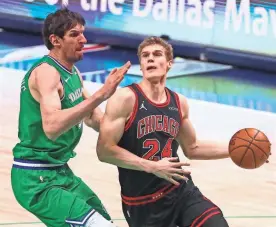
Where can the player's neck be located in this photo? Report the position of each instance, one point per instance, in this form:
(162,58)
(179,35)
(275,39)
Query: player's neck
(154,91)
(59,57)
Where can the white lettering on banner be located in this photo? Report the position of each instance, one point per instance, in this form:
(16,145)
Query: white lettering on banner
(273,20)
(257,22)
(259,26)
(160,10)
(208,6)
(137,12)
(114,6)
(231,12)
(169,10)
(172,12)
(193,15)
(239,17)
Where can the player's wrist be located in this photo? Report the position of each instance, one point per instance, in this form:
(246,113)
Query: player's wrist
(148,166)
(101,95)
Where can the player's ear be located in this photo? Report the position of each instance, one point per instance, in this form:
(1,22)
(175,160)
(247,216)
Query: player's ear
(54,40)
(170,62)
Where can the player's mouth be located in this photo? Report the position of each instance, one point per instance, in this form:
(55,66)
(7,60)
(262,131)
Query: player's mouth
(151,68)
(80,48)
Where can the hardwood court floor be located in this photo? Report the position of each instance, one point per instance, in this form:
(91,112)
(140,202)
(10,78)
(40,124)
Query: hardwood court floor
(247,198)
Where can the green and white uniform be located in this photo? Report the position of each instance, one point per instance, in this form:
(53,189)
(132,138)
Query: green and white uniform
(42,182)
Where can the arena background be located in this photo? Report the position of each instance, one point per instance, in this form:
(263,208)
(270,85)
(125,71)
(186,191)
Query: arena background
(225,57)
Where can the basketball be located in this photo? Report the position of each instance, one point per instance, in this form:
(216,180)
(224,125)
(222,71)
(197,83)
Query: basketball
(249,148)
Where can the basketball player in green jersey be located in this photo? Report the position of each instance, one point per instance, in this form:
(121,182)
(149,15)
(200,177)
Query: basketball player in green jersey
(53,105)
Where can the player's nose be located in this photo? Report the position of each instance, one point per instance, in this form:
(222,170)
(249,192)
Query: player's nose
(150,59)
(83,40)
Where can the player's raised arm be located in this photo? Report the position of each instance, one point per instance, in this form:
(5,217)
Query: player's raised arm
(191,146)
(56,121)
(119,108)
(93,119)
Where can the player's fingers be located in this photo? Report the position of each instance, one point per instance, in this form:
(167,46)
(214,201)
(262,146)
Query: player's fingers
(125,71)
(172,181)
(127,65)
(182,171)
(121,72)
(179,164)
(179,177)
(113,71)
(120,79)
(173,159)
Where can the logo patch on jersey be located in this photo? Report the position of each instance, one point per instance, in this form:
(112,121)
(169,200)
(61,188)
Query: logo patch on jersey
(66,80)
(161,123)
(73,96)
(173,108)
(142,106)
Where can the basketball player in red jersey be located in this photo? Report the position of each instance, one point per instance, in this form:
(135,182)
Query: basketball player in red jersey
(140,133)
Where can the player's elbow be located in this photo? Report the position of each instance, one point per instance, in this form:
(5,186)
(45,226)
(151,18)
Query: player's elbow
(190,155)
(50,131)
(101,150)
(50,135)
(95,124)
(190,152)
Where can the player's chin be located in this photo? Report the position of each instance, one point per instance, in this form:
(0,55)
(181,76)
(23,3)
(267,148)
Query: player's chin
(153,78)
(78,57)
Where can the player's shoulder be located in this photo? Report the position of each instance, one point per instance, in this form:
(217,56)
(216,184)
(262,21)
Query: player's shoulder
(121,103)
(182,99)
(124,94)
(184,106)
(46,73)
(45,68)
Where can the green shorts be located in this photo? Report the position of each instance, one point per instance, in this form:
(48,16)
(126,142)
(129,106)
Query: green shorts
(56,196)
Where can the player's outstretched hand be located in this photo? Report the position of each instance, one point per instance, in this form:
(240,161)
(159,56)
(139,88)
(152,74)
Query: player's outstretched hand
(114,78)
(170,170)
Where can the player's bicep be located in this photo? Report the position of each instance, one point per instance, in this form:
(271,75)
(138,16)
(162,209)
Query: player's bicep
(187,135)
(111,130)
(112,127)
(47,80)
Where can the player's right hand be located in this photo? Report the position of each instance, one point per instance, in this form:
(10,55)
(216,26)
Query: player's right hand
(114,78)
(170,170)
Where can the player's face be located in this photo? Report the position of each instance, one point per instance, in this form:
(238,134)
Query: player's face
(154,63)
(73,42)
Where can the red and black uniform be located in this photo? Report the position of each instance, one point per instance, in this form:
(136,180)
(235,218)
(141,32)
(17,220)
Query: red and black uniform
(149,201)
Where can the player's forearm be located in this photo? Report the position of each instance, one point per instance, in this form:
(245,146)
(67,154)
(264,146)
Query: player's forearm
(94,119)
(205,150)
(120,157)
(92,123)
(62,120)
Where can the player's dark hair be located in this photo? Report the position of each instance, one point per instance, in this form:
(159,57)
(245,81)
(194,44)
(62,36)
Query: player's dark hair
(152,40)
(58,23)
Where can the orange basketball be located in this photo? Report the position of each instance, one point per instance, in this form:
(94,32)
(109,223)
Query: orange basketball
(249,148)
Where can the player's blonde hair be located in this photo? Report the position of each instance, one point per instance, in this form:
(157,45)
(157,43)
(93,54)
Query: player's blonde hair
(153,40)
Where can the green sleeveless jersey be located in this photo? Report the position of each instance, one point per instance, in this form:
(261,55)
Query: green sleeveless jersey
(34,144)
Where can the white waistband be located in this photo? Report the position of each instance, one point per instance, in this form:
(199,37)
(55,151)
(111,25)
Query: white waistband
(29,164)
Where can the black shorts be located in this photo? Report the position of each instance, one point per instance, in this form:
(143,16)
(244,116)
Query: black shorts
(184,206)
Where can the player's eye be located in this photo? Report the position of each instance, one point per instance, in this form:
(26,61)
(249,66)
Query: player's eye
(74,34)
(158,53)
(145,55)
